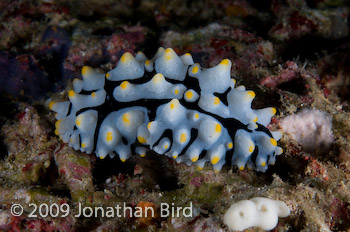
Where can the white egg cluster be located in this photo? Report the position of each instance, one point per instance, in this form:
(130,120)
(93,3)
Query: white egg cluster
(200,107)
(257,212)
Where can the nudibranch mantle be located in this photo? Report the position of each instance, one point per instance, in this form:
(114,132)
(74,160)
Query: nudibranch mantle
(171,105)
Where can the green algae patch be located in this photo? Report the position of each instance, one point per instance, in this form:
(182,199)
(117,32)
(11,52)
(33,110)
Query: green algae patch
(207,193)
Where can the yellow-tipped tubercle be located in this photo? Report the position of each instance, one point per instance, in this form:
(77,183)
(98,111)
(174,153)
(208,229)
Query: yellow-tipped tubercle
(71,93)
(189,94)
(225,62)
(273,141)
(274,111)
(251,94)
(124,84)
(109,136)
(183,138)
(85,70)
(126,118)
(195,69)
(216,100)
(215,159)
(126,57)
(218,128)
(141,139)
(51,104)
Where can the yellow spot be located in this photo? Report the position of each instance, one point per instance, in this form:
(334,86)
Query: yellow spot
(189,94)
(71,93)
(109,136)
(263,164)
(126,57)
(158,78)
(101,157)
(56,132)
(175,156)
(199,167)
(78,120)
(168,54)
(196,115)
(229,145)
(281,150)
(216,100)
(225,62)
(141,139)
(108,75)
(51,105)
(183,138)
(251,149)
(215,159)
(274,111)
(166,146)
(194,159)
(174,103)
(176,91)
(251,94)
(195,69)
(187,54)
(149,125)
(71,140)
(57,123)
(124,84)
(85,70)
(123,160)
(218,127)
(241,168)
(147,62)
(273,141)
(255,119)
(143,155)
(93,94)
(126,118)
(83,145)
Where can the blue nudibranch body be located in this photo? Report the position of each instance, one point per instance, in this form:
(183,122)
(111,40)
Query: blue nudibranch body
(171,105)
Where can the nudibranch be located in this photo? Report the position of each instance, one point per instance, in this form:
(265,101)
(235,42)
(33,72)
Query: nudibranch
(171,105)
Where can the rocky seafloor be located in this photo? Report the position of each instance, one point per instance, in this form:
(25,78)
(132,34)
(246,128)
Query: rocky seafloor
(294,54)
